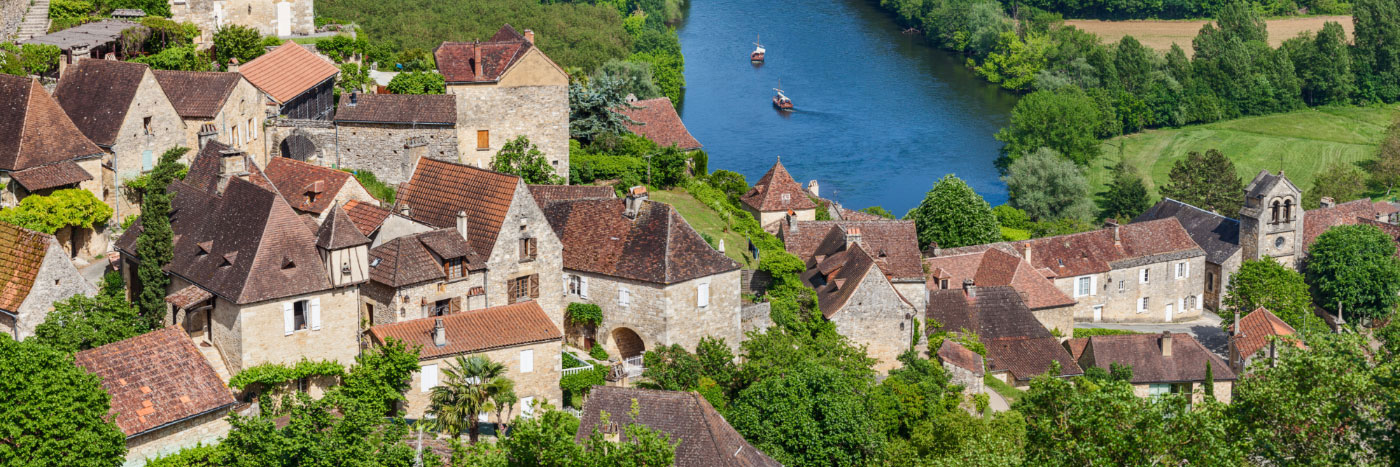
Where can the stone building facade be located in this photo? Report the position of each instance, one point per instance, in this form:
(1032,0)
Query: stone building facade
(387,133)
(1166,363)
(660,315)
(775,197)
(207,429)
(29,299)
(222,106)
(872,314)
(305,140)
(1271,221)
(254,334)
(1218,235)
(279,18)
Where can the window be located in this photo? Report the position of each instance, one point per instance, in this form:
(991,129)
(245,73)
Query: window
(624,296)
(146,124)
(455,268)
(1183,270)
(1143,280)
(527,361)
(1083,286)
(1288,210)
(524,288)
(1210,282)
(1142,305)
(527,249)
(1120,286)
(430,377)
(252,130)
(702,295)
(301,314)
(441,307)
(573,284)
(483,140)
(1158,389)
(1190,302)
(1273,217)
(1278,242)
(787,197)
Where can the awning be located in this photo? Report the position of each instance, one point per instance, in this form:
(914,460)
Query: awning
(188,296)
(50,176)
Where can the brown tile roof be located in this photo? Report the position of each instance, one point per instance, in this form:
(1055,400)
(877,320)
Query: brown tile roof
(1095,252)
(190,205)
(894,244)
(1218,235)
(410,259)
(51,175)
(23,254)
(338,231)
(307,187)
(96,94)
(995,267)
(1076,347)
(421,109)
(474,331)
(457,60)
(658,121)
(206,170)
(657,246)
(187,296)
(1143,352)
(366,216)
(36,130)
(1317,221)
(705,438)
(955,354)
(197,94)
(545,194)
(842,276)
(1264,182)
(438,190)
(767,194)
(1255,330)
(155,379)
(1015,340)
(287,71)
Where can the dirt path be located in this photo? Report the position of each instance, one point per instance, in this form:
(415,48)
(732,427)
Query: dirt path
(1161,34)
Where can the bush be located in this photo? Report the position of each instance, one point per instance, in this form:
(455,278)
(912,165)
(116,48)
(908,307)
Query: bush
(598,353)
(583,313)
(273,374)
(571,361)
(577,385)
(73,207)
(1081,333)
(379,190)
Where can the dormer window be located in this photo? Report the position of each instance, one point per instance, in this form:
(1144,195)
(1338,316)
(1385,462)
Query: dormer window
(204,248)
(287,263)
(454,268)
(375,262)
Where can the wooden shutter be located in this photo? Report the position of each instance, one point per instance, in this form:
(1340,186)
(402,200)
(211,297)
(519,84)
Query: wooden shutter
(530,242)
(513,289)
(288,321)
(583,286)
(534,286)
(315,314)
(454,305)
(483,139)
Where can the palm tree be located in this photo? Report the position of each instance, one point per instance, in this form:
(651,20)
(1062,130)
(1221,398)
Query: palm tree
(471,388)
(505,405)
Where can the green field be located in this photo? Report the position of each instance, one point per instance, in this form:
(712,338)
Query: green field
(706,221)
(1301,143)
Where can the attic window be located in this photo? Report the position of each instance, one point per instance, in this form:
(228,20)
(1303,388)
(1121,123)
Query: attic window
(204,248)
(374,262)
(1062,262)
(882,253)
(287,262)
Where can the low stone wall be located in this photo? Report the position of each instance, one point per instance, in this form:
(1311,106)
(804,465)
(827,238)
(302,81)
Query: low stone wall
(755,317)
(11,14)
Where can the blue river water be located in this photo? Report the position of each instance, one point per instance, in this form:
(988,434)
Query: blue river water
(880,115)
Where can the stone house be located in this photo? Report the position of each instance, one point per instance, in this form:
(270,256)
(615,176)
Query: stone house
(520,335)
(1256,337)
(423,275)
(1018,345)
(165,395)
(121,107)
(250,275)
(387,133)
(34,273)
(222,106)
(1166,363)
(313,190)
(965,367)
(1218,235)
(775,196)
(657,120)
(299,83)
(657,281)
(506,87)
(859,299)
(708,440)
(504,226)
(96,40)
(892,243)
(998,267)
(279,18)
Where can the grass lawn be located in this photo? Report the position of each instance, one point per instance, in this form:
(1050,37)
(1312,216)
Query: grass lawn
(706,221)
(1007,392)
(1302,143)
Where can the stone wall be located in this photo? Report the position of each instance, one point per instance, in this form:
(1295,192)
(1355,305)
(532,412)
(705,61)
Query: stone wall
(971,382)
(205,429)
(540,113)
(56,280)
(385,149)
(11,14)
(407,303)
(1119,290)
(664,315)
(915,292)
(688,322)
(753,281)
(256,14)
(244,105)
(1057,318)
(874,316)
(134,139)
(542,383)
(525,219)
(769,219)
(755,317)
(254,334)
(320,133)
(1218,278)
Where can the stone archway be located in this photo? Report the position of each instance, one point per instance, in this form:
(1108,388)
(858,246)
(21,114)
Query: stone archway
(628,343)
(298,147)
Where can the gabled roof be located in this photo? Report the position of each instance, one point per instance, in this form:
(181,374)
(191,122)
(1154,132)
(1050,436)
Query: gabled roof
(368,217)
(22,253)
(767,194)
(1095,251)
(457,60)
(409,259)
(1143,352)
(1264,182)
(1256,328)
(155,379)
(545,194)
(894,244)
(420,109)
(1218,235)
(51,176)
(995,267)
(307,187)
(838,277)
(97,94)
(197,94)
(36,131)
(207,169)
(339,232)
(1015,339)
(656,246)
(658,121)
(288,71)
(438,190)
(705,438)
(1317,221)
(481,330)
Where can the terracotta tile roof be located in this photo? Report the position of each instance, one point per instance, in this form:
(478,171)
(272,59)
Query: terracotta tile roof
(836,286)
(767,194)
(366,216)
(1317,221)
(187,296)
(307,187)
(1143,352)
(995,267)
(457,60)
(410,259)
(955,354)
(155,379)
(438,190)
(36,130)
(658,121)
(96,94)
(420,109)
(545,194)
(197,94)
(1218,235)
(22,253)
(1255,330)
(894,244)
(1015,340)
(338,231)
(657,246)
(287,71)
(474,331)
(1095,252)
(1076,347)
(51,176)
(705,438)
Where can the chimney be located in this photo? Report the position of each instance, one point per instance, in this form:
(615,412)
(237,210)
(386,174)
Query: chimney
(462,224)
(814,189)
(233,163)
(439,333)
(207,132)
(233,65)
(476,62)
(791,220)
(635,197)
(1112,223)
(354,98)
(404,211)
(1166,343)
(1026,252)
(530,36)
(970,288)
(1327,202)
(852,236)
(933,250)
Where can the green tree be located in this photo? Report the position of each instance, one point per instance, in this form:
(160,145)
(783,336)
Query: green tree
(28,59)
(1063,120)
(593,109)
(1047,186)
(548,440)
(522,158)
(879,211)
(1015,62)
(636,77)
(53,413)
(1324,66)
(353,78)
(808,416)
(236,42)
(470,388)
(1386,170)
(1126,197)
(73,207)
(155,245)
(178,59)
(82,322)
(1376,55)
(1355,266)
(953,216)
(1207,181)
(1340,181)
(1265,283)
(732,184)
(418,82)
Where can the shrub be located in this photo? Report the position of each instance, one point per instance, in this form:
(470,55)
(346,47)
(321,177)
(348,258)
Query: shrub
(598,353)
(1081,333)
(379,190)
(272,374)
(577,385)
(584,314)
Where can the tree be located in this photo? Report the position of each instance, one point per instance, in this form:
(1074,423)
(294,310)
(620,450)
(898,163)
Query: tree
(878,211)
(53,413)
(1386,171)
(953,215)
(178,59)
(1324,66)
(418,82)
(520,157)
(82,322)
(1268,284)
(1340,181)
(353,78)
(28,59)
(72,207)
(1207,181)
(236,42)
(1015,62)
(636,77)
(1126,197)
(155,245)
(810,415)
(732,184)
(593,109)
(1354,266)
(471,387)
(1047,186)
(1376,55)
(548,440)
(1063,120)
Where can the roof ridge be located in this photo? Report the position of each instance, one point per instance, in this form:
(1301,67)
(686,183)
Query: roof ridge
(24,122)
(666,255)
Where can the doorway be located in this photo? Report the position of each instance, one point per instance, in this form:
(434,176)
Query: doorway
(1168,317)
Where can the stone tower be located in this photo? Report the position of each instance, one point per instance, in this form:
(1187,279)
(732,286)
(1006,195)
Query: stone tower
(1271,221)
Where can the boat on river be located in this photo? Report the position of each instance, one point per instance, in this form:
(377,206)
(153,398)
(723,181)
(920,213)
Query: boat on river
(758,52)
(781,101)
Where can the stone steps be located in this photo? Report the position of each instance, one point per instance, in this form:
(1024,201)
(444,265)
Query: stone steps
(36,22)
(211,354)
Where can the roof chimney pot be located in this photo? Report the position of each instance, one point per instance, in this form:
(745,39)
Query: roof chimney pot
(530,36)
(970,288)
(1166,343)
(439,333)
(462,224)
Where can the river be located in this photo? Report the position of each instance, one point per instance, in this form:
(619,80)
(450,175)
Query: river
(880,115)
